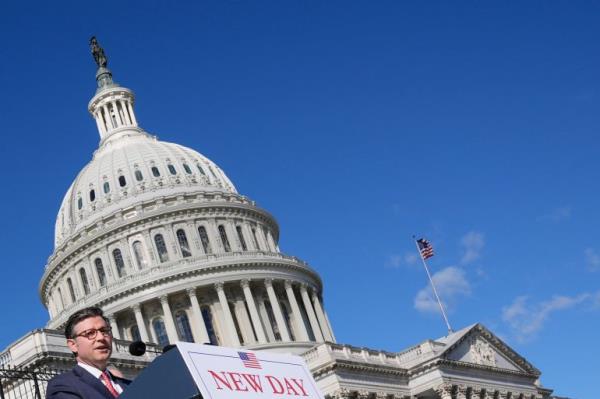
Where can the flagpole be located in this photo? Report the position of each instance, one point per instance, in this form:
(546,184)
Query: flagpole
(450,331)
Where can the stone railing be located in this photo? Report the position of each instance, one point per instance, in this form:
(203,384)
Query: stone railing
(329,351)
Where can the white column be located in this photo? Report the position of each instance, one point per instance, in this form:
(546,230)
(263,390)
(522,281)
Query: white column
(97,116)
(300,328)
(113,325)
(125,113)
(149,248)
(325,327)
(314,324)
(139,319)
(107,118)
(110,266)
(235,341)
(234,241)
(258,328)
(133,120)
(198,314)
(285,335)
(126,254)
(168,319)
(117,114)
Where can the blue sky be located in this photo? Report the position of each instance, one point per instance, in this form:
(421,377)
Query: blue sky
(357,124)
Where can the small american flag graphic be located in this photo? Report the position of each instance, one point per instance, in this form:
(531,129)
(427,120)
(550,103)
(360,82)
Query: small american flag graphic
(425,248)
(249,360)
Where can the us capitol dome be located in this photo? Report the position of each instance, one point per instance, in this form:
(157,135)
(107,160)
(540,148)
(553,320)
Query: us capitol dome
(157,235)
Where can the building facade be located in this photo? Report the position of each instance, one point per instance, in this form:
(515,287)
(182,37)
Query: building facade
(158,236)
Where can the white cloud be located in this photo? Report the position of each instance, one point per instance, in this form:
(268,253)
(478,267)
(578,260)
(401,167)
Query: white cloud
(556,215)
(450,284)
(527,319)
(592,259)
(395,261)
(472,243)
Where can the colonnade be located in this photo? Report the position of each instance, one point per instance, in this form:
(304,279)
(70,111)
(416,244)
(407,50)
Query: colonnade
(240,313)
(114,114)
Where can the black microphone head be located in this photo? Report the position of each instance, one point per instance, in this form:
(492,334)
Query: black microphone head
(137,348)
(168,348)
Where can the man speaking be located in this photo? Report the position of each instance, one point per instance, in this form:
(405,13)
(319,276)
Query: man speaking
(89,337)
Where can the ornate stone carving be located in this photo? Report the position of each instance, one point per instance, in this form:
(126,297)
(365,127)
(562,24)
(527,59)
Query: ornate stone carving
(481,352)
(363,395)
(444,391)
(342,393)
(461,392)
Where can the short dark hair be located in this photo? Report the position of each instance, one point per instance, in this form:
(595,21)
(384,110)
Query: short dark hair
(80,315)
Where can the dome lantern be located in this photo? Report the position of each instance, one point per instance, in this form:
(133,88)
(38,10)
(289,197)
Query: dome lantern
(112,106)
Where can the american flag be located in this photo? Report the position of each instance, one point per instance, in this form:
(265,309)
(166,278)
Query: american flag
(249,360)
(425,248)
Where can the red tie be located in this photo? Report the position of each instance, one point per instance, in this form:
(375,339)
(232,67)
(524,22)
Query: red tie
(106,380)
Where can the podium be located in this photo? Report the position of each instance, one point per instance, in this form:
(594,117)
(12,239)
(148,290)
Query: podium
(166,377)
(193,371)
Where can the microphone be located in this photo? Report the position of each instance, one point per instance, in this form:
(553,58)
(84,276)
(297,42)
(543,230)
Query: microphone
(137,348)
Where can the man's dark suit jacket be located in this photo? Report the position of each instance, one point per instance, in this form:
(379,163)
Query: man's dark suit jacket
(79,383)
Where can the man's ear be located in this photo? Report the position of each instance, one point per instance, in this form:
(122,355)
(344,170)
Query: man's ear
(72,345)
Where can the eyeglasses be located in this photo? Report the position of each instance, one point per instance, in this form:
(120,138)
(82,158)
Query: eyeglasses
(92,333)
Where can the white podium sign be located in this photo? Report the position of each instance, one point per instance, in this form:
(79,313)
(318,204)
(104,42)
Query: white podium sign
(226,373)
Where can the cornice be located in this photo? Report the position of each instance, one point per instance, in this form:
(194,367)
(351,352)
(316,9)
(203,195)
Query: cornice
(340,364)
(438,363)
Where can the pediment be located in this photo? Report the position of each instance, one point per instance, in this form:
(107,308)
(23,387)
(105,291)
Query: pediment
(479,346)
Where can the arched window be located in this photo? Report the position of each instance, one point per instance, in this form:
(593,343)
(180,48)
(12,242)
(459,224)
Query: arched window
(155,171)
(236,323)
(204,240)
(106,187)
(138,175)
(224,239)
(122,181)
(79,203)
(254,239)
(241,237)
(272,321)
(172,169)
(134,332)
(71,289)
(84,281)
(210,327)
(183,243)
(187,169)
(183,327)
(201,170)
(160,331)
(92,195)
(138,251)
(286,317)
(161,247)
(118,257)
(100,271)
